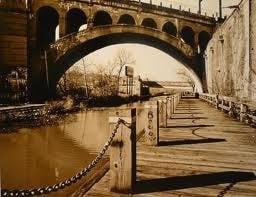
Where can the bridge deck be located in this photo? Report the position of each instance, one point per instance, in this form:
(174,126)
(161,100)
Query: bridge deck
(202,153)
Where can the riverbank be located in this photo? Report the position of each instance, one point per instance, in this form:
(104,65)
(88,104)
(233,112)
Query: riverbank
(56,112)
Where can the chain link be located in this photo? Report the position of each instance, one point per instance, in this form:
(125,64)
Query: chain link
(72,180)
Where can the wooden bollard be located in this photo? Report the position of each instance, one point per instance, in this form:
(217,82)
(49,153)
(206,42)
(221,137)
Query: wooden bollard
(169,107)
(243,112)
(147,121)
(162,113)
(123,151)
(173,105)
(175,101)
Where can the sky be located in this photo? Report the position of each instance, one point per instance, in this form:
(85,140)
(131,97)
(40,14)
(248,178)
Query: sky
(152,63)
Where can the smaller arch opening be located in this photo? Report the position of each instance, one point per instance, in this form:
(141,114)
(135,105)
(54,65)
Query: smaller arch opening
(203,39)
(75,18)
(170,28)
(47,22)
(149,22)
(126,19)
(102,18)
(188,35)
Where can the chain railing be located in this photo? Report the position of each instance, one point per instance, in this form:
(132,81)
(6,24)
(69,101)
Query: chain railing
(72,180)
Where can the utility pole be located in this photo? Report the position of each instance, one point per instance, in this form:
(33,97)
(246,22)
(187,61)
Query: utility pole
(220,8)
(85,80)
(200,6)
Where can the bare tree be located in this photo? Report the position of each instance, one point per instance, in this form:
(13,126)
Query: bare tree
(123,58)
(103,81)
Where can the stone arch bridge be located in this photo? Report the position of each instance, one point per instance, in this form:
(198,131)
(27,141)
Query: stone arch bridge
(86,26)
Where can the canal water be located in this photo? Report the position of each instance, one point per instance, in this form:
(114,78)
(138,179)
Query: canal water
(41,156)
(34,157)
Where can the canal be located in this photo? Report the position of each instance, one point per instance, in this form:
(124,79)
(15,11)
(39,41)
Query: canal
(34,157)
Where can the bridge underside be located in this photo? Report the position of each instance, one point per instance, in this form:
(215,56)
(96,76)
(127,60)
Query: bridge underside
(69,50)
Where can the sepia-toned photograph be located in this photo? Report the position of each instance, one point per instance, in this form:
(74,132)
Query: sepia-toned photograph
(122,98)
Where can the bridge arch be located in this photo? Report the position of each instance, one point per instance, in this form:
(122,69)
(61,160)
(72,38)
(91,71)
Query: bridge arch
(170,28)
(75,18)
(102,18)
(47,20)
(68,50)
(188,35)
(203,39)
(126,19)
(149,22)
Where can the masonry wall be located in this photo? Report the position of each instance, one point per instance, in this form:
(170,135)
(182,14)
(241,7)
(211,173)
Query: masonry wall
(13,35)
(253,49)
(228,58)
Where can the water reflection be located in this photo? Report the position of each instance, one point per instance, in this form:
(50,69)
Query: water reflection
(36,157)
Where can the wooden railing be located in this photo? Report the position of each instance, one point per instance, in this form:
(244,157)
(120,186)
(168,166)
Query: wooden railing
(236,109)
(146,118)
(189,94)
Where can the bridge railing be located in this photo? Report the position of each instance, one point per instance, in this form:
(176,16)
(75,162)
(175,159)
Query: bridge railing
(126,124)
(236,109)
(143,5)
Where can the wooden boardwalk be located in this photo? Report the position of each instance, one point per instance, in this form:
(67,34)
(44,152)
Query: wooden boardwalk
(202,153)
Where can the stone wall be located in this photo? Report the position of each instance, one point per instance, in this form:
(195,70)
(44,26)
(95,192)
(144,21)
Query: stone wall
(13,35)
(229,63)
(253,49)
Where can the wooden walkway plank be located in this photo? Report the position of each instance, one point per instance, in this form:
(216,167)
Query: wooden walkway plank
(202,152)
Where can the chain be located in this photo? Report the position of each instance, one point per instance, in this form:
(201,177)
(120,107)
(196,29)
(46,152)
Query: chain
(72,180)
(226,189)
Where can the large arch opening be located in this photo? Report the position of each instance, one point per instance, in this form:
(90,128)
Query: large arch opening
(95,76)
(75,18)
(170,28)
(188,35)
(203,39)
(121,35)
(102,18)
(47,22)
(126,19)
(149,22)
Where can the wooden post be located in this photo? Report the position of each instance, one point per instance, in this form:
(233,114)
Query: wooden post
(175,101)
(222,104)
(173,105)
(231,109)
(217,101)
(169,107)
(147,122)
(243,112)
(123,152)
(162,113)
